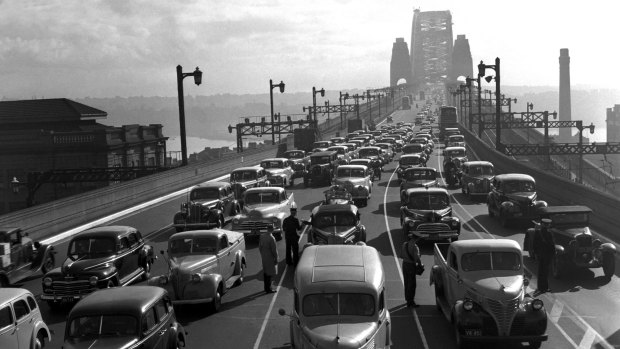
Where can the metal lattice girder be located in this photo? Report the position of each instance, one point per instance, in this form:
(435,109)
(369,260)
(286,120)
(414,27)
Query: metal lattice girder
(337,108)
(485,102)
(105,174)
(525,117)
(532,124)
(561,149)
(279,127)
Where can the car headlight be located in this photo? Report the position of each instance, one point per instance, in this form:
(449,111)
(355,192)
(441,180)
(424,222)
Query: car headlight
(163,280)
(468,305)
(47,282)
(478,181)
(411,223)
(93,280)
(454,223)
(275,219)
(236,221)
(196,277)
(537,304)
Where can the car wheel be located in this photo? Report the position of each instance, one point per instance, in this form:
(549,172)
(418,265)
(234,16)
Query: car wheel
(609,265)
(39,342)
(54,306)
(147,271)
(503,220)
(438,293)
(48,264)
(241,273)
(221,222)
(468,193)
(216,303)
(292,181)
(534,345)
(491,213)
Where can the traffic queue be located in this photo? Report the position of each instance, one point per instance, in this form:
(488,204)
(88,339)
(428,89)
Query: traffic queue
(337,275)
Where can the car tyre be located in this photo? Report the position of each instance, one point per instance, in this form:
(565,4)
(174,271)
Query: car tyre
(438,293)
(278,236)
(48,264)
(147,271)
(609,264)
(534,345)
(491,213)
(241,273)
(460,342)
(216,303)
(39,342)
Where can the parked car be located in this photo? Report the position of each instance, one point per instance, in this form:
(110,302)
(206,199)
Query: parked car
(513,198)
(339,293)
(427,214)
(497,312)
(575,246)
(299,162)
(279,172)
(263,207)
(337,194)
(243,178)
(101,257)
(408,161)
(202,266)
(336,224)
(453,159)
(476,177)
(21,258)
(419,177)
(124,317)
(21,323)
(208,205)
(356,180)
(322,165)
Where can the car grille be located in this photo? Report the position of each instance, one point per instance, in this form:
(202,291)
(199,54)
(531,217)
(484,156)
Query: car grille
(583,240)
(253,225)
(433,227)
(503,312)
(71,288)
(195,211)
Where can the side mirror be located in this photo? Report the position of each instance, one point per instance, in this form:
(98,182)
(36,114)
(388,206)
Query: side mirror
(282,312)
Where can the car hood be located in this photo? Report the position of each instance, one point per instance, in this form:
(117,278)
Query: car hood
(522,197)
(437,214)
(119,342)
(340,231)
(207,203)
(258,211)
(192,263)
(570,232)
(275,171)
(352,180)
(87,266)
(499,287)
(339,335)
(242,183)
(419,183)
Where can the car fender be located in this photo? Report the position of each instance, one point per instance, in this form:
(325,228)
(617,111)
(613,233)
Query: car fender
(207,286)
(540,204)
(147,253)
(216,212)
(507,205)
(179,216)
(179,333)
(39,325)
(608,247)
(42,252)
(559,250)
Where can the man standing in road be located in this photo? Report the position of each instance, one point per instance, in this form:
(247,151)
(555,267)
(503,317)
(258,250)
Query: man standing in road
(269,257)
(411,258)
(544,247)
(291,227)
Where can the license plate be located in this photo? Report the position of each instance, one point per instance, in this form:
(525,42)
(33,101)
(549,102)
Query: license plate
(473,333)
(67,299)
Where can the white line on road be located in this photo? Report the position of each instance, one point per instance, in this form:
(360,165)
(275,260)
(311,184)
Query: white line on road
(400,272)
(556,311)
(588,339)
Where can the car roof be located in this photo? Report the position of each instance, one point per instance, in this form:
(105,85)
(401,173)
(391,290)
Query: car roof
(483,245)
(352,167)
(215,232)
(476,163)
(109,231)
(410,156)
(246,169)
(455,148)
(323,153)
(8,229)
(278,189)
(430,190)
(415,169)
(336,208)
(131,300)
(339,146)
(513,176)
(275,159)
(9,294)
(212,185)
(565,209)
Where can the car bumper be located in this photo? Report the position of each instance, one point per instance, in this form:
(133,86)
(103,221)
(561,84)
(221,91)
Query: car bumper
(192,301)
(193,226)
(256,231)
(63,299)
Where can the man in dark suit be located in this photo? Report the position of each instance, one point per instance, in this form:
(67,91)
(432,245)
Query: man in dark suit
(544,247)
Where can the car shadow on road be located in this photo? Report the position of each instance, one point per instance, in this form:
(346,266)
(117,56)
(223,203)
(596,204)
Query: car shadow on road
(392,207)
(483,223)
(464,199)
(393,183)
(573,280)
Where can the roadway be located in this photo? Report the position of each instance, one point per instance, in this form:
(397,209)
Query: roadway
(584,312)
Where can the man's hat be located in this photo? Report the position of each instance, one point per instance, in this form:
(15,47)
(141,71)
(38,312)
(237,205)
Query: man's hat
(545,221)
(293,207)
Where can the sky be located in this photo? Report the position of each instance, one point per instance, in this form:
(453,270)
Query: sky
(87,48)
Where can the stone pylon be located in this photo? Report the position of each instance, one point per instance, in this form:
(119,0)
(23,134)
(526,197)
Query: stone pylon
(565,133)
(400,65)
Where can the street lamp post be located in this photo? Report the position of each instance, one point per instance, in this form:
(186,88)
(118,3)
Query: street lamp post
(343,98)
(271,87)
(314,92)
(498,107)
(528,108)
(197,74)
(581,128)
(468,82)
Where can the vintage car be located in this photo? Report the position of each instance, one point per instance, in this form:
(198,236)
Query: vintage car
(575,246)
(337,140)
(244,178)
(415,148)
(356,180)
(101,257)
(336,224)
(208,205)
(279,172)
(352,149)
(481,290)
(340,299)
(453,159)
(299,162)
(513,197)
(387,151)
(322,144)
(424,142)
(419,177)
(321,170)
(429,138)
(343,153)
(202,266)
(408,161)
(124,317)
(21,258)
(376,158)
(21,323)
(427,214)
(456,141)
(476,177)
(447,132)
(337,194)
(263,207)
(358,143)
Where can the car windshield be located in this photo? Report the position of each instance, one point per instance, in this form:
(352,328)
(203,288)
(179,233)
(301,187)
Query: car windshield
(237,176)
(519,186)
(330,219)
(369,152)
(294,155)
(363,162)
(420,175)
(476,261)
(204,194)
(357,304)
(455,153)
(261,197)
(196,245)
(424,201)
(579,218)
(339,150)
(412,148)
(94,326)
(409,160)
(321,144)
(319,160)
(419,140)
(91,247)
(351,172)
(457,138)
(272,164)
(481,170)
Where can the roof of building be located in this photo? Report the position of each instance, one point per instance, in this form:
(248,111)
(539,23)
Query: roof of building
(47,110)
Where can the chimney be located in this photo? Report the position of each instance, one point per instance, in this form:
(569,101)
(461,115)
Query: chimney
(565,134)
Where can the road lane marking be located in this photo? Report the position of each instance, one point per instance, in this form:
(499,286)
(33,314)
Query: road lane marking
(556,311)
(400,272)
(588,339)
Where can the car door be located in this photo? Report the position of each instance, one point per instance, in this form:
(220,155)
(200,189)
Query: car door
(454,288)
(225,257)
(152,332)
(163,322)
(23,322)
(227,201)
(8,330)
